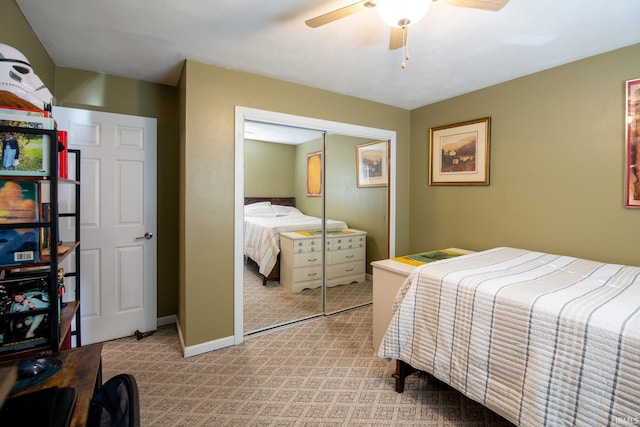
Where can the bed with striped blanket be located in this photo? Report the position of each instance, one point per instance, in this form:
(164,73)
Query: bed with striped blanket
(540,339)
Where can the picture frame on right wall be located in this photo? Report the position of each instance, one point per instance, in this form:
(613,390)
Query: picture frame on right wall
(632,147)
(459,153)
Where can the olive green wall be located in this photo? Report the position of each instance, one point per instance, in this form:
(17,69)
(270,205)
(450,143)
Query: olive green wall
(182,185)
(557,166)
(268,169)
(362,208)
(211,95)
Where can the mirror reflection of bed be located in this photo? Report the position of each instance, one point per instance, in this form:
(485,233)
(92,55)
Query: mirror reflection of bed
(268,303)
(271,297)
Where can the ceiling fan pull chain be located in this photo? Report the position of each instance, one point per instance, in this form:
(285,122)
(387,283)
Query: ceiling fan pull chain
(405,46)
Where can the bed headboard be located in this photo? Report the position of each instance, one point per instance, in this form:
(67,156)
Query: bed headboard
(284,201)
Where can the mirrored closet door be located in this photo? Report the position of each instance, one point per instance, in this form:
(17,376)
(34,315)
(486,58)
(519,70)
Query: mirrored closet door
(363,207)
(283,268)
(301,191)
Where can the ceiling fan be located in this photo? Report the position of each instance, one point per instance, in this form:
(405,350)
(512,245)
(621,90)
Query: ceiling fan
(400,14)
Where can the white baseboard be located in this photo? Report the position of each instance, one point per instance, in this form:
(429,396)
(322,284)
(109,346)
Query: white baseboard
(166,320)
(206,347)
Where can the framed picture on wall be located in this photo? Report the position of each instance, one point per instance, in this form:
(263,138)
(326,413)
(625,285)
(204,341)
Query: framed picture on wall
(372,165)
(459,153)
(314,174)
(632,148)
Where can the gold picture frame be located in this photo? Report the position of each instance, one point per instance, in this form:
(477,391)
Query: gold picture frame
(459,153)
(632,144)
(372,164)
(314,174)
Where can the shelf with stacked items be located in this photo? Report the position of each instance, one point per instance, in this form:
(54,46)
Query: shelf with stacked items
(33,317)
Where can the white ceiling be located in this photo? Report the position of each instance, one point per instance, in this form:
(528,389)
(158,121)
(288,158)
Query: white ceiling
(453,50)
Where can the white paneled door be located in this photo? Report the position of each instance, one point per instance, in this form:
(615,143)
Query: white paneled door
(118,220)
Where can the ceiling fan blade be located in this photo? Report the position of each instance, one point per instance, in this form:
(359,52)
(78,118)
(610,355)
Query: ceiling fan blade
(339,14)
(398,38)
(493,5)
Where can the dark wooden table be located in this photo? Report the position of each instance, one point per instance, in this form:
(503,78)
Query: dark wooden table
(82,370)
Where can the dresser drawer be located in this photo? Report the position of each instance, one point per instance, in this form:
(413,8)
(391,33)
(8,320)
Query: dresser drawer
(307,273)
(305,259)
(347,255)
(307,245)
(345,269)
(346,242)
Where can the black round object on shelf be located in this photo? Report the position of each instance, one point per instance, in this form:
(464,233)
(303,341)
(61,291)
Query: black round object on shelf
(36,371)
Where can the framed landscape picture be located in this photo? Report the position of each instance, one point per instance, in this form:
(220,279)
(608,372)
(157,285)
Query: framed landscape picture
(459,153)
(372,164)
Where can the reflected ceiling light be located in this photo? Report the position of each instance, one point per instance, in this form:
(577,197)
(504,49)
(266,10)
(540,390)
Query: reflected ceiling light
(402,13)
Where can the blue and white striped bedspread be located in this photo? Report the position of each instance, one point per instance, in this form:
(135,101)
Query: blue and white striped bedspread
(541,339)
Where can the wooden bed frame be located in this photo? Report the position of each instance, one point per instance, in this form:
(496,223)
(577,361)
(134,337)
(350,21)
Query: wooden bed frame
(403,370)
(284,201)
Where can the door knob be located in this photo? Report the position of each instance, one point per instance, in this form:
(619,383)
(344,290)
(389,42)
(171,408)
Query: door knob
(146,236)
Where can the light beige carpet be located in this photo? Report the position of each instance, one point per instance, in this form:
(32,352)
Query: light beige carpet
(272,304)
(322,372)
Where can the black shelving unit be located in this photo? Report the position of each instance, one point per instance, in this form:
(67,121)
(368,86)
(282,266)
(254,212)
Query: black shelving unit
(75,215)
(61,320)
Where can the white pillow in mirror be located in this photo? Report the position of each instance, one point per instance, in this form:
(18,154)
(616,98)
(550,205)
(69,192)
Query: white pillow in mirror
(281,210)
(261,209)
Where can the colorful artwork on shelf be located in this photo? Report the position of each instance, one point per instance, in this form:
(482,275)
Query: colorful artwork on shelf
(18,201)
(24,314)
(24,153)
(19,246)
(19,204)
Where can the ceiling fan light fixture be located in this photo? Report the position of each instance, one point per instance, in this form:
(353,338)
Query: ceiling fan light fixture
(402,13)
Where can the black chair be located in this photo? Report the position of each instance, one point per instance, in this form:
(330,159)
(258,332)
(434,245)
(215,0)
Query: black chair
(116,403)
(51,407)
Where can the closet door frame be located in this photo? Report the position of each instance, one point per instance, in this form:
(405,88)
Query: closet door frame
(243,114)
